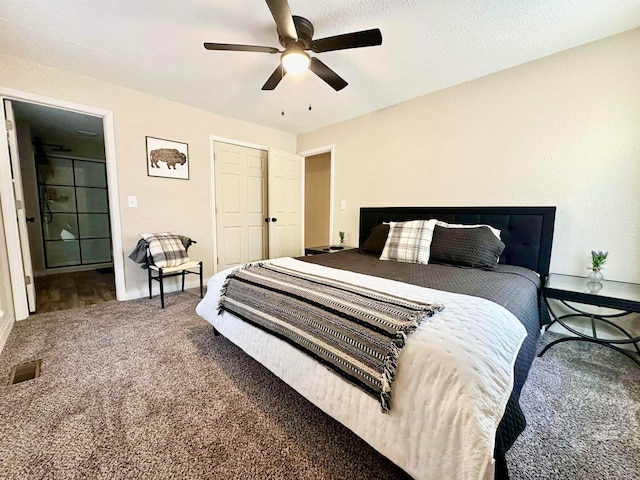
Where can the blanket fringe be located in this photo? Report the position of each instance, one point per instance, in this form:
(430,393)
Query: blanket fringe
(391,360)
(389,371)
(232,275)
(223,293)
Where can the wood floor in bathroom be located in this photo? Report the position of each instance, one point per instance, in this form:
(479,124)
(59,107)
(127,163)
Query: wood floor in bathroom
(73,290)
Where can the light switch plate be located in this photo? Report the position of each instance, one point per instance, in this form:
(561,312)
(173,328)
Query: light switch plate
(343,204)
(132,200)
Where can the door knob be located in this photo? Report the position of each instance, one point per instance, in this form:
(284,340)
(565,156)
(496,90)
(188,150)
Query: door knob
(274,220)
(267,219)
(31,219)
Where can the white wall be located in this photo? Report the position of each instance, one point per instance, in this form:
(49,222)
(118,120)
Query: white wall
(563,131)
(164,204)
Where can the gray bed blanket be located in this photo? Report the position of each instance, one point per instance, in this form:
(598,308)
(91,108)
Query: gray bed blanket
(515,288)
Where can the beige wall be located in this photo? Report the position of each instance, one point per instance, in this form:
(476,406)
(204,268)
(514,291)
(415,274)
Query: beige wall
(559,131)
(317,195)
(563,131)
(164,204)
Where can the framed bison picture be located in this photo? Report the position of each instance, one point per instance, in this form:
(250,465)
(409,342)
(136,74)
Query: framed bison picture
(166,158)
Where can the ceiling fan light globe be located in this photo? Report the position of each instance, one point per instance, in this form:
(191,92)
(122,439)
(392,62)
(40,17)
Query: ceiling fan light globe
(295,62)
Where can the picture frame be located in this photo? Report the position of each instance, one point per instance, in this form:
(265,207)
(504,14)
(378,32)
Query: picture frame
(167,158)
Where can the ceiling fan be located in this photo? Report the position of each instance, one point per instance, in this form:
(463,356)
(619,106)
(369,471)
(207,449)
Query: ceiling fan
(295,34)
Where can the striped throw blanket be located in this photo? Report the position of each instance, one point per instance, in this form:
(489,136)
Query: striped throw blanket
(355,331)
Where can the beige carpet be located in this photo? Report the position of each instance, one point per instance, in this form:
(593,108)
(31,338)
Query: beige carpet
(582,403)
(129,390)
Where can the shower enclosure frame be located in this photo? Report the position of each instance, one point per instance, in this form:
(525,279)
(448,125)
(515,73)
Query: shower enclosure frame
(73,234)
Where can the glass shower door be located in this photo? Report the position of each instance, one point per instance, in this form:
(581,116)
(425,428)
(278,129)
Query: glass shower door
(93,212)
(59,217)
(75,212)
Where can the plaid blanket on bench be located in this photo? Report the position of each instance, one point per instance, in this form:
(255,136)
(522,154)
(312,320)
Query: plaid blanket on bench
(165,249)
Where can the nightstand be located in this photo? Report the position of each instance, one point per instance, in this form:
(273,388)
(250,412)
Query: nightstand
(615,295)
(326,249)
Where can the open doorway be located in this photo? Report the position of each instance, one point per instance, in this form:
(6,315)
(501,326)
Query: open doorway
(318,217)
(66,203)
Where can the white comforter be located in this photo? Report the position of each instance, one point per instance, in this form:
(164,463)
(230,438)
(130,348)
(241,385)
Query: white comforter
(454,377)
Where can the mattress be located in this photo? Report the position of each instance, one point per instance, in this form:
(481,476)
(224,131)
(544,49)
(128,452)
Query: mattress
(515,288)
(421,440)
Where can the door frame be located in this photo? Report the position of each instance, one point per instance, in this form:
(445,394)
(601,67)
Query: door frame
(310,153)
(8,200)
(240,143)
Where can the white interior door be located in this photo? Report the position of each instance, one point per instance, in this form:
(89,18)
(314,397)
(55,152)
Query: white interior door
(241,201)
(285,204)
(14,157)
(7,309)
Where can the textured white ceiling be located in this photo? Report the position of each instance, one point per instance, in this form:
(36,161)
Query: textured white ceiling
(156,47)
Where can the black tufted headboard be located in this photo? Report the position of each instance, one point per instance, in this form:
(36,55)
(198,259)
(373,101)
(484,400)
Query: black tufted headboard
(527,232)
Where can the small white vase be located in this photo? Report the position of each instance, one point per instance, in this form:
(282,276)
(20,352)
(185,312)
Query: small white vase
(594,287)
(595,275)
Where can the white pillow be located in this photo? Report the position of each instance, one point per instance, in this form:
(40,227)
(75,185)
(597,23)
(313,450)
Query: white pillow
(409,241)
(495,231)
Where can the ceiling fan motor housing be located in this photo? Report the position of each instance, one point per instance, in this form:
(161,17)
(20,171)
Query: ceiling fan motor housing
(304,28)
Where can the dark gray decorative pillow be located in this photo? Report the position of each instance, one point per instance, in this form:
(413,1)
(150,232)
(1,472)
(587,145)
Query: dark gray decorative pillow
(376,240)
(467,247)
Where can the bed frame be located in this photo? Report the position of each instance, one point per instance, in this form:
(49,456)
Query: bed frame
(527,232)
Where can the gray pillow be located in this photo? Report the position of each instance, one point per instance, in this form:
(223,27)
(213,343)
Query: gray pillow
(375,242)
(467,247)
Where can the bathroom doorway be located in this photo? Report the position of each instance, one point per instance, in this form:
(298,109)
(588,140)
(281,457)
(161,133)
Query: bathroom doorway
(64,183)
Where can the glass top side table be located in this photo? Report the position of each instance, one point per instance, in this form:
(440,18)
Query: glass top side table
(607,293)
(326,249)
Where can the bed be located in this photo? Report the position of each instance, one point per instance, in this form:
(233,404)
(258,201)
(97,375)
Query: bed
(454,404)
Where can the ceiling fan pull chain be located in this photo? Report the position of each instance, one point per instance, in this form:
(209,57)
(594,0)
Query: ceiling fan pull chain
(309,84)
(281,90)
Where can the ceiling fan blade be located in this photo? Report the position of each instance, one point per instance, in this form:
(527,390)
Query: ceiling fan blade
(240,48)
(365,38)
(282,16)
(273,81)
(326,74)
